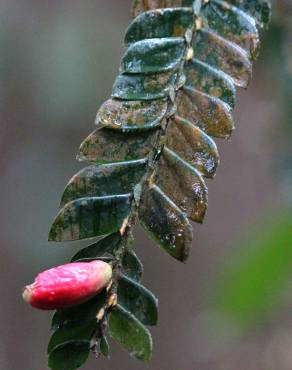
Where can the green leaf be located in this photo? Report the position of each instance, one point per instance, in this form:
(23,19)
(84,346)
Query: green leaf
(70,355)
(154,55)
(107,146)
(258,9)
(104,180)
(193,145)
(102,249)
(182,184)
(144,87)
(165,223)
(79,315)
(89,217)
(140,6)
(160,24)
(206,112)
(131,115)
(232,24)
(132,266)
(104,347)
(130,334)
(224,55)
(63,335)
(203,77)
(138,300)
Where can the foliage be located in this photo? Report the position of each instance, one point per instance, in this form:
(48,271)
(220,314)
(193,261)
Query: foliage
(148,160)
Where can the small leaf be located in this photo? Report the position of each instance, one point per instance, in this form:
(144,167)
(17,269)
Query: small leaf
(160,24)
(232,24)
(63,335)
(102,249)
(104,180)
(207,112)
(144,87)
(79,315)
(104,347)
(222,54)
(89,217)
(258,9)
(193,145)
(131,115)
(165,223)
(212,81)
(130,334)
(182,184)
(107,146)
(132,266)
(70,355)
(138,300)
(140,6)
(154,55)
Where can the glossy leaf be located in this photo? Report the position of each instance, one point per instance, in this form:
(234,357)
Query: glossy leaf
(159,24)
(104,248)
(79,315)
(153,55)
(70,355)
(132,266)
(130,334)
(144,87)
(222,54)
(165,223)
(258,9)
(103,180)
(140,6)
(138,300)
(72,333)
(131,115)
(107,146)
(209,80)
(207,112)
(192,145)
(232,24)
(89,217)
(183,184)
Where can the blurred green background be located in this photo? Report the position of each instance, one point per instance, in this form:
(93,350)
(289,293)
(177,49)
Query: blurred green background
(230,306)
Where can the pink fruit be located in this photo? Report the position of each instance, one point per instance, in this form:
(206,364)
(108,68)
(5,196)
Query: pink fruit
(68,285)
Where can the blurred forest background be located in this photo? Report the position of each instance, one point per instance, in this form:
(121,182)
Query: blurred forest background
(230,306)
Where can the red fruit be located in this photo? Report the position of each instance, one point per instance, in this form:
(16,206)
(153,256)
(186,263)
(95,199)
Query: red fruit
(68,285)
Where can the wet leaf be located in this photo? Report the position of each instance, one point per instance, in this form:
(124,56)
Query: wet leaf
(222,54)
(138,300)
(232,24)
(82,314)
(104,248)
(153,55)
(165,223)
(103,180)
(82,332)
(183,184)
(70,355)
(144,87)
(192,145)
(104,347)
(132,266)
(89,217)
(209,80)
(140,6)
(207,112)
(159,24)
(107,146)
(131,115)
(258,9)
(130,334)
